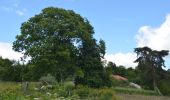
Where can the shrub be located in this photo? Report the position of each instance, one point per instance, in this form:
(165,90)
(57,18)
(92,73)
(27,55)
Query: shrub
(49,79)
(120,83)
(164,87)
(64,90)
(82,91)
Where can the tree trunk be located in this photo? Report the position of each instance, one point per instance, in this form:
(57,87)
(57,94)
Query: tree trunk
(156,89)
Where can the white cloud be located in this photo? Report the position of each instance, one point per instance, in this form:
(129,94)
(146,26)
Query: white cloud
(155,38)
(125,59)
(16,8)
(19,12)
(7,52)
(118,58)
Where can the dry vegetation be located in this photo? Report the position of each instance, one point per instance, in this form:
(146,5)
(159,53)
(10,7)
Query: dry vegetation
(140,97)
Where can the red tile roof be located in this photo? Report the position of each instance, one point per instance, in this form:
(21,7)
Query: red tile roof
(118,77)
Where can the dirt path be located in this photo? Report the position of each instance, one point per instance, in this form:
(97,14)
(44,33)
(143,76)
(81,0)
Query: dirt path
(140,97)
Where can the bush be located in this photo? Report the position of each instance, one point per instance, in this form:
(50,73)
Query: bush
(120,83)
(164,87)
(64,90)
(48,80)
(82,91)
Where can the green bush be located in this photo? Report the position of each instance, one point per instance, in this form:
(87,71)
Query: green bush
(119,83)
(164,87)
(49,79)
(82,91)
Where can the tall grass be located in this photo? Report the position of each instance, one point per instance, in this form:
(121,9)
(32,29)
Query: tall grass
(11,91)
(134,91)
(66,91)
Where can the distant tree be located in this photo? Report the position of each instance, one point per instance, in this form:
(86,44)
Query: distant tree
(111,67)
(131,74)
(10,70)
(4,66)
(111,64)
(120,70)
(150,62)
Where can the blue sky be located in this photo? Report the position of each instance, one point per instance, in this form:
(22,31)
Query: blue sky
(117,22)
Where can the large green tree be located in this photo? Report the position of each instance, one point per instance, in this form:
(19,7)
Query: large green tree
(150,62)
(61,42)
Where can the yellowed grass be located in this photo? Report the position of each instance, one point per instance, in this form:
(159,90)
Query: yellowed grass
(140,97)
(9,86)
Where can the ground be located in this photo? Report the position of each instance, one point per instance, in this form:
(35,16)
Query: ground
(140,97)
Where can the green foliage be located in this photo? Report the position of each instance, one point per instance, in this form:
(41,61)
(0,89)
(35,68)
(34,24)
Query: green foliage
(10,91)
(65,91)
(10,70)
(164,87)
(110,68)
(48,80)
(79,73)
(91,65)
(102,48)
(82,91)
(119,83)
(49,39)
(115,82)
(95,94)
(59,42)
(150,63)
(120,70)
(129,73)
(104,94)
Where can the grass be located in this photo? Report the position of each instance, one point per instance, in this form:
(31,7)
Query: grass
(134,91)
(10,91)
(123,93)
(140,97)
(66,91)
(8,85)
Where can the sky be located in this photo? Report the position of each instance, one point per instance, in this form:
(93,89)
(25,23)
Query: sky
(122,24)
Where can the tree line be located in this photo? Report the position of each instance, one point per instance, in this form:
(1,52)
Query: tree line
(149,72)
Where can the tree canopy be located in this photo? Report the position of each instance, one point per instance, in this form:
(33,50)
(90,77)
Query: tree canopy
(61,42)
(150,62)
